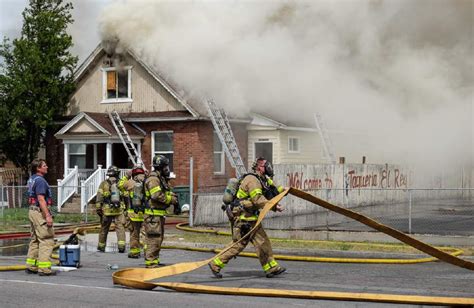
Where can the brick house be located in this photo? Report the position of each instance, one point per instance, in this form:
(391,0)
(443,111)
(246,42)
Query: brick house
(158,119)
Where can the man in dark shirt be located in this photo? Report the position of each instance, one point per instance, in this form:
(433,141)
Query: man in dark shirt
(41,221)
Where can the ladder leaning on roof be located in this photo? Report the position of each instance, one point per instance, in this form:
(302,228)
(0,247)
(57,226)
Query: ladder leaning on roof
(325,140)
(125,137)
(224,132)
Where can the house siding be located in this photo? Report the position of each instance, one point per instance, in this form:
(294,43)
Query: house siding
(147,93)
(310,149)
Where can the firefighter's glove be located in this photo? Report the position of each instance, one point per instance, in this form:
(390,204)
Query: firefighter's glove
(278,208)
(177,209)
(174,199)
(99,212)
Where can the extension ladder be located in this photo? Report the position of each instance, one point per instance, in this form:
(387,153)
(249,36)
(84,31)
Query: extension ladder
(125,137)
(224,132)
(325,140)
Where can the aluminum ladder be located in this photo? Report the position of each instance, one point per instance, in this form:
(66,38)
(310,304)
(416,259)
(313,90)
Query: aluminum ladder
(226,137)
(125,137)
(325,140)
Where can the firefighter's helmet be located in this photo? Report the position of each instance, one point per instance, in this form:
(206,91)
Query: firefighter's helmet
(138,169)
(113,171)
(262,162)
(159,161)
(161,164)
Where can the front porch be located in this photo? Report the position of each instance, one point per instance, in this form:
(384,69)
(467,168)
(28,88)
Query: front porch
(91,144)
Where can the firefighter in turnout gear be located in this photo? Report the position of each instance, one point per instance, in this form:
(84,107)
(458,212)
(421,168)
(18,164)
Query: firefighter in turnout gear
(110,207)
(160,197)
(134,197)
(254,191)
(41,221)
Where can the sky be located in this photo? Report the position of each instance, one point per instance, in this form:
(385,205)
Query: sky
(395,76)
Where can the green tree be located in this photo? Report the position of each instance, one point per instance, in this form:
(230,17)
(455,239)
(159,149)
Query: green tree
(36,79)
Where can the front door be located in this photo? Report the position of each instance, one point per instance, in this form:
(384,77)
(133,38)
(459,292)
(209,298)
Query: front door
(120,156)
(264,149)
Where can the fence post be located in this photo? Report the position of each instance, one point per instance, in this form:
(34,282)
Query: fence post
(76,179)
(3,203)
(409,211)
(60,194)
(83,197)
(191,203)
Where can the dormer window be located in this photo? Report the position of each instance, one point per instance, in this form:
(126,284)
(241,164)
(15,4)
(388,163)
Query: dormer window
(117,84)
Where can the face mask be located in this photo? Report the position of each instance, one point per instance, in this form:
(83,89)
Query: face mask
(139,177)
(166,171)
(268,169)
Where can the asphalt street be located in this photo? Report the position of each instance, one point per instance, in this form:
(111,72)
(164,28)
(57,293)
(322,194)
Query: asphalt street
(92,286)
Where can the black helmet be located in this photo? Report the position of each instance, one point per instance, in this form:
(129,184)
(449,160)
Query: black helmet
(161,164)
(113,171)
(262,162)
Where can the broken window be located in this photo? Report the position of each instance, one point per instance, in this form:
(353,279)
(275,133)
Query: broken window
(117,83)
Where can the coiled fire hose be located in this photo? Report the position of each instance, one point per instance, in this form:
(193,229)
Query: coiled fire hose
(140,278)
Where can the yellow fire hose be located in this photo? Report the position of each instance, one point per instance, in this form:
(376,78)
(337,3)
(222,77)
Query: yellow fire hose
(183,227)
(140,278)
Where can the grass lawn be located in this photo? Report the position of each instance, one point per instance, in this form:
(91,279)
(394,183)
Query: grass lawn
(17,219)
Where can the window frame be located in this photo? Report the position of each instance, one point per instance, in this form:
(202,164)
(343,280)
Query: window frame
(77,154)
(222,155)
(155,152)
(298,148)
(127,99)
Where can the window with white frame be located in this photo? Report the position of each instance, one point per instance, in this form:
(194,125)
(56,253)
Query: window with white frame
(77,155)
(163,145)
(219,157)
(293,145)
(116,84)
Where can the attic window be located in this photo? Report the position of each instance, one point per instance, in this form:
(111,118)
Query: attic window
(117,85)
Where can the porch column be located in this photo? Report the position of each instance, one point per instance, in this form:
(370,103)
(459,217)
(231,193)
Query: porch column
(66,158)
(139,150)
(94,146)
(108,155)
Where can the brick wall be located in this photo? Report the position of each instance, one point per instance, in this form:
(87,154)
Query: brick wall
(54,156)
(194,139)
(190,139)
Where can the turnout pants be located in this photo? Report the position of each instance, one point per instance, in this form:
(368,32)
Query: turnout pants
(119,229)
(135,227)
(260,241)
(41,243)
(154,226)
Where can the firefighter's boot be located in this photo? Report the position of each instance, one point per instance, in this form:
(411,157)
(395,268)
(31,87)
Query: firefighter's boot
(215,270)
(274,271)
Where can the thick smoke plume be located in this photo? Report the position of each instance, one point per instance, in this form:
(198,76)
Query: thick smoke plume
(394,76)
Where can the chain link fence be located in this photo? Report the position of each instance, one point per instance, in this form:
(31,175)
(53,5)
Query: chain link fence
(413,211)
(14,208)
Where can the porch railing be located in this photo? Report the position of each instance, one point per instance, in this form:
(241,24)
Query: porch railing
(90,185)
(67,187)
(83,174)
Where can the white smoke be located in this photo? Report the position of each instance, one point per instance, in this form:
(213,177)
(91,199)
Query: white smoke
(398,73)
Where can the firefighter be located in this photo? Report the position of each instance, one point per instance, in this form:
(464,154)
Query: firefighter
(134,197)
(41,221)
(254,191)
(110,207)
(160,197)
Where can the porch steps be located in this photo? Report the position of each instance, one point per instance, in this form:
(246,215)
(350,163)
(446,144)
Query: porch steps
(224,132)
(73,206)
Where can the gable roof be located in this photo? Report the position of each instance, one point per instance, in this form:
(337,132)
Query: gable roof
(101,122)
(196,108)
(99,52)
